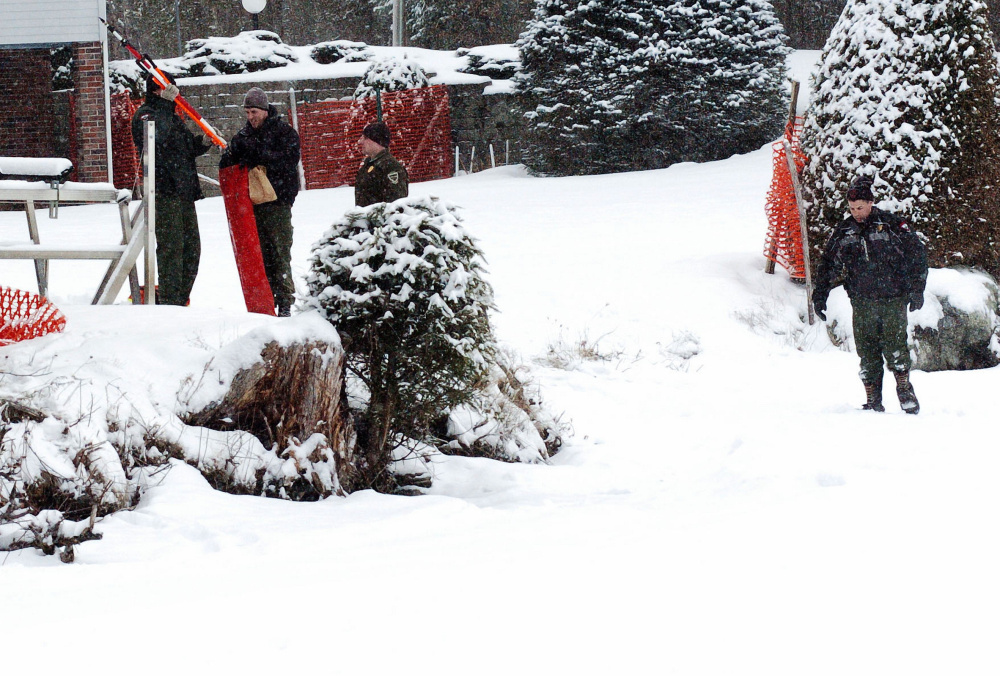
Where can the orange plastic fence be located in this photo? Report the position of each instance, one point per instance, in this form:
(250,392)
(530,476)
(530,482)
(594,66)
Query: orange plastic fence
(24,315)
(420,120)
(125,160)
(784,236)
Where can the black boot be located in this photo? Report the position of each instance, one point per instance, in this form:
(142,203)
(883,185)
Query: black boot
(904,390)
(873,390)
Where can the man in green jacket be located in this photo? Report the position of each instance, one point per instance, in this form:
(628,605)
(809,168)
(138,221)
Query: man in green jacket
(381,177)
(178,242)
(883,266)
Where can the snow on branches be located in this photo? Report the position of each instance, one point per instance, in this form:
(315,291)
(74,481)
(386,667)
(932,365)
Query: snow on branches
(907,93)
(618,85)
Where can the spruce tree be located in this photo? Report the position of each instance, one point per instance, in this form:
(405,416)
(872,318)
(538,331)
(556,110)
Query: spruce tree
(617,85)
(907,93)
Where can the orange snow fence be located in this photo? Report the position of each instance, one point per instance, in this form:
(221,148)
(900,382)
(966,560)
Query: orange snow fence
(24,315)
(784,236)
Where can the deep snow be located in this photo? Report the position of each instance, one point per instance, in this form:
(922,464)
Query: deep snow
(722,507)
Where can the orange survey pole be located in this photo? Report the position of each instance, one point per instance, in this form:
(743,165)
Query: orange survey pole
(145,63)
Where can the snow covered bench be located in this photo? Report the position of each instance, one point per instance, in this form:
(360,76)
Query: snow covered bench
(52,170)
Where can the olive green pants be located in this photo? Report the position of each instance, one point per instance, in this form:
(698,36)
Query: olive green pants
(274,229)
(880,335)
(178,249)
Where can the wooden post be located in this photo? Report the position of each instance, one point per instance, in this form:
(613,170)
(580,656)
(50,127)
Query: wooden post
(149,203)
(803,229)
(792,109)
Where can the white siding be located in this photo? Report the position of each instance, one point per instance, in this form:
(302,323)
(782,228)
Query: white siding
(32,22)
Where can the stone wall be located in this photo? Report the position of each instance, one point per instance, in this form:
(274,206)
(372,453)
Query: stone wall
(479,120)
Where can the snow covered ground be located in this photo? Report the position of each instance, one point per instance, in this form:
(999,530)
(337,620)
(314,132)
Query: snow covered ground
(722,507)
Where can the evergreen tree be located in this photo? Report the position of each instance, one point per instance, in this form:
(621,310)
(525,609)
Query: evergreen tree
(907,93)
(404,285)
(615,85)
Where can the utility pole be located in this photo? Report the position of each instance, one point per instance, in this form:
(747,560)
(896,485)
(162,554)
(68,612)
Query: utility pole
(398,23)
(177,20)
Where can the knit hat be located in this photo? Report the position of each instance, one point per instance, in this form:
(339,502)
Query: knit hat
(378,132)
(861,189)
(255,98)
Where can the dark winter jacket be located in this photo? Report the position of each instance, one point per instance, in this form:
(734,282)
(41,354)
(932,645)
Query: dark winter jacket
(176,148)
(275,145)
(380,179)
(879,258)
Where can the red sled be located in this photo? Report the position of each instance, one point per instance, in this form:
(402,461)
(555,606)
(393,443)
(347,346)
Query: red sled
(246,245)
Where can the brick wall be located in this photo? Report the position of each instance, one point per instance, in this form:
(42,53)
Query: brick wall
(91,138)
(26,89)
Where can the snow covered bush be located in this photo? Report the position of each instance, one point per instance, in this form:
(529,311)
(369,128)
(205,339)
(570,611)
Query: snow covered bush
(391,75)
(505,420)
(335,50)
(906,93)
(249,52)
(403,284)
(618,85)
(62,68)
(488,62)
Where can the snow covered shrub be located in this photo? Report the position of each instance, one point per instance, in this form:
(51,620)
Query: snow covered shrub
(485,61)
(906,92)
(249,52)
(403,284)
(391,75)
(505,420)
(62,68)
(618,85)
(335,50)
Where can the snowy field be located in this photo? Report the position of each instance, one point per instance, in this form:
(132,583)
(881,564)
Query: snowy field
(722,506)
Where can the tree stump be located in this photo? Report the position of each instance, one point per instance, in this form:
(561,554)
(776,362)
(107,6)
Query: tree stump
(295,391)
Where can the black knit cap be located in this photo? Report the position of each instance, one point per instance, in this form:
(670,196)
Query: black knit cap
(860,189)
(378,132)
(152,86)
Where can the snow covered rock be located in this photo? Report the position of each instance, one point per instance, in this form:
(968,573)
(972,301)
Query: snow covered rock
(959,324)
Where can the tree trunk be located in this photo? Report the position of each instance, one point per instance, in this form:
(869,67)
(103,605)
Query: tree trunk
(294,392)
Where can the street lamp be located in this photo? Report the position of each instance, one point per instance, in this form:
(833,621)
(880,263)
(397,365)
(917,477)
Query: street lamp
(255,7)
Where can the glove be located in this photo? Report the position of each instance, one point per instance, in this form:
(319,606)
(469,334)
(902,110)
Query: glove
(820,307)
(916,301)
(170,92)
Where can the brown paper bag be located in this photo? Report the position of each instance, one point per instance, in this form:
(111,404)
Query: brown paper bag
(260,188)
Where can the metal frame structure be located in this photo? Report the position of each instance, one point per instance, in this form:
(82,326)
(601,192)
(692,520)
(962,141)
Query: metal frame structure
(138,231)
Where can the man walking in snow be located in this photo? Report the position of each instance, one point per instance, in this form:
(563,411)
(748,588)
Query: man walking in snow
(883,266)
(381,177)
(178,243)
(268,141)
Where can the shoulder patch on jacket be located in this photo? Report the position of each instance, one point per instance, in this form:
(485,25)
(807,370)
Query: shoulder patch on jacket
(393,177)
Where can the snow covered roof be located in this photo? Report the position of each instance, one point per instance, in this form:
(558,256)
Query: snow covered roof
(43,22)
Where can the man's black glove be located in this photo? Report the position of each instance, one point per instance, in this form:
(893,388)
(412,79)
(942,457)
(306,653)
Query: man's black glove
(820,307)
(916,301)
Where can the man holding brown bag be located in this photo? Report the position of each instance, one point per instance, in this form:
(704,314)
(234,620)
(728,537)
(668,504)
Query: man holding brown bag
(269,147)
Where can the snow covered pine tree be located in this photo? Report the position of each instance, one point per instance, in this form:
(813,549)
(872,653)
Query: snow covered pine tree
(404,285)
(619,85)
(907,92)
